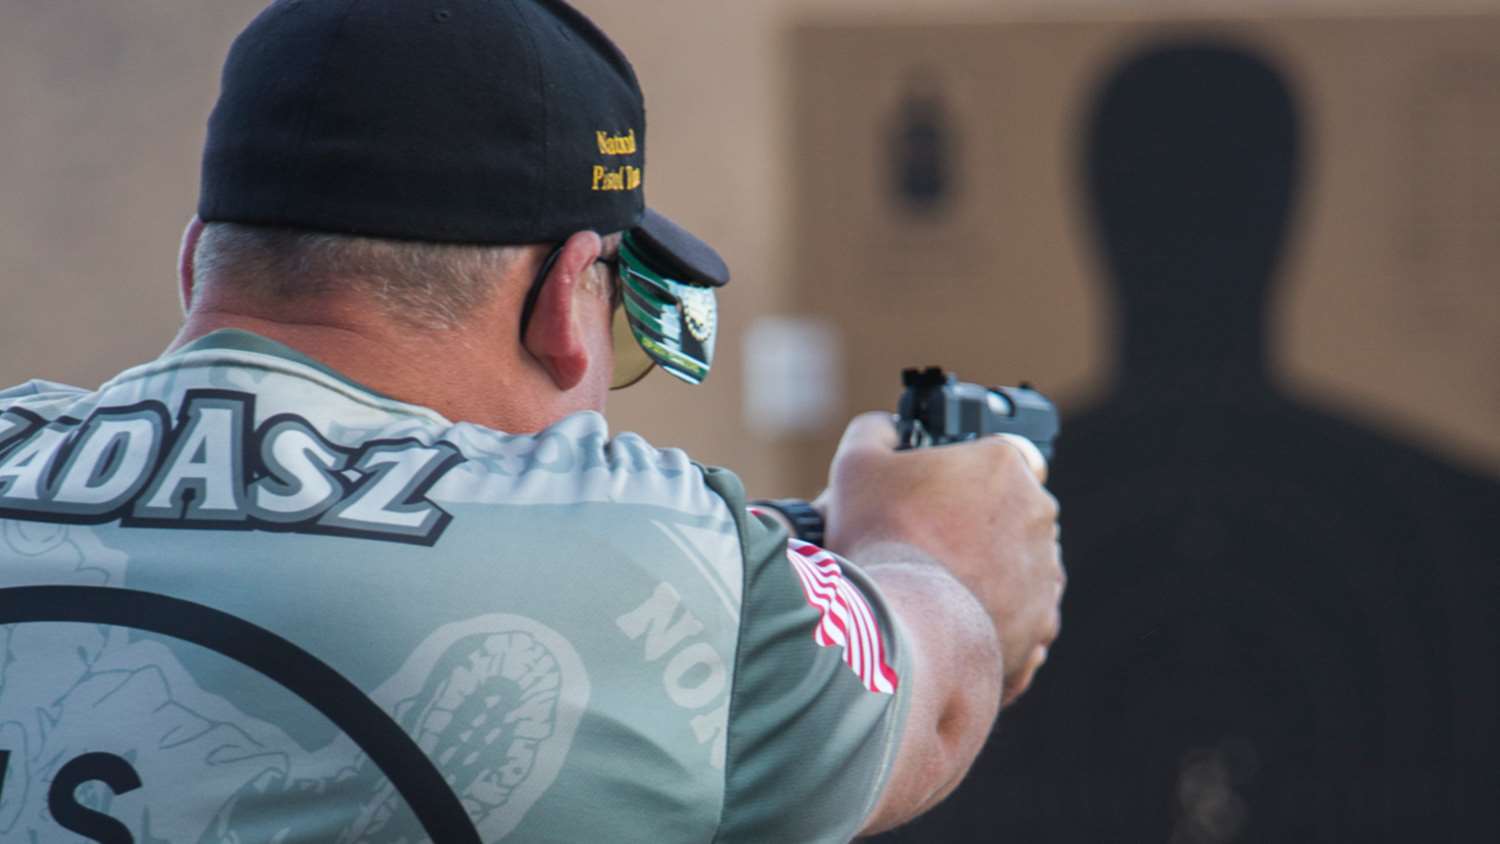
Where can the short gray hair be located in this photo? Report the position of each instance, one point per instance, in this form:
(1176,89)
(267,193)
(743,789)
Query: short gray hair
(426,285)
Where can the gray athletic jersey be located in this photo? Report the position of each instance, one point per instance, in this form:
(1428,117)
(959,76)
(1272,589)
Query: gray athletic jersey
(245,600)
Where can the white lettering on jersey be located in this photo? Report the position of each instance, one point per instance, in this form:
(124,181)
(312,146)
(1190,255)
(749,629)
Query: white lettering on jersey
(109,463)
(13,426)
(714,727)
(218,472)
(654,620)
(203,477)
(395,475)
(22,472)
(301,482)
(695,677)
(688,661)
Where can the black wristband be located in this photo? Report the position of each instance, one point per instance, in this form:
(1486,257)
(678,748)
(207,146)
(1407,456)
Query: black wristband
(807,522)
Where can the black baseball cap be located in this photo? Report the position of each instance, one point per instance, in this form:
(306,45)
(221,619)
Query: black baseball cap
(453,121)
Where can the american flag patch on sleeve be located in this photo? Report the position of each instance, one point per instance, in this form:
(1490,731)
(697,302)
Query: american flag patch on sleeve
(847,620)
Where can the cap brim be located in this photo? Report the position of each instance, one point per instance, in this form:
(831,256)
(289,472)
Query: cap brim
(678,252)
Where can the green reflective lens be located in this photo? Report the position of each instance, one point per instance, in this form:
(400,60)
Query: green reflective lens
(672,322)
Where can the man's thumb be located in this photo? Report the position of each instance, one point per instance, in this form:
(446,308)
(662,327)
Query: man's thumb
(869,432)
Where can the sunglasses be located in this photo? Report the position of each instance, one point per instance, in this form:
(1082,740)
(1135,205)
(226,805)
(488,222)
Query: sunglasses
(658,320)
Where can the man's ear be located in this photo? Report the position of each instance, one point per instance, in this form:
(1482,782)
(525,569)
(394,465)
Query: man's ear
(555,336)
(185,255)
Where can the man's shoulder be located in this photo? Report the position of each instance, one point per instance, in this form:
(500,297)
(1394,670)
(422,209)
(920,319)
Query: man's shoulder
(577,459)
(38,387)
(655,508)
(39,396)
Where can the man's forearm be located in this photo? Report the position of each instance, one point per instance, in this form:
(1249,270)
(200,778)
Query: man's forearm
(957,680)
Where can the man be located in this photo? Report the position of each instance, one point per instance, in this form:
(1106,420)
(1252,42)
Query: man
(358,560)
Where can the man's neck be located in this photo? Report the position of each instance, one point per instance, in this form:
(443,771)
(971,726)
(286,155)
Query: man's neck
(460,372)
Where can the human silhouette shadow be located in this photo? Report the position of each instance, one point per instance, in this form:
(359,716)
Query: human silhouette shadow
(1280,626)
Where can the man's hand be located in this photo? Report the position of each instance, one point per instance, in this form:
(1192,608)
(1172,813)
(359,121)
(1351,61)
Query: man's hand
(979,508)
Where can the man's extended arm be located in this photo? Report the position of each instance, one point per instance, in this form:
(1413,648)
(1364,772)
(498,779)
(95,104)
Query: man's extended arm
(962,542)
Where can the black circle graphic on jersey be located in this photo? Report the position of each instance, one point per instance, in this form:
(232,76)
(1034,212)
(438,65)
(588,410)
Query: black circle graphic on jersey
(392,750)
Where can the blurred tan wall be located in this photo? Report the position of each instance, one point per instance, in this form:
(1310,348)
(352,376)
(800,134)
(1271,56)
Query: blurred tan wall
(726,154)
(103,108)
(1384,305)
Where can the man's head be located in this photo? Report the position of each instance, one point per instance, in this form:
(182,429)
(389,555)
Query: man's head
(427,286)
(436,163)
(456,303)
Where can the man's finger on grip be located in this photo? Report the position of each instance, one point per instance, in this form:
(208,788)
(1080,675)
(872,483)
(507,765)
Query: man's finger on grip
(1033,455)
(874,431)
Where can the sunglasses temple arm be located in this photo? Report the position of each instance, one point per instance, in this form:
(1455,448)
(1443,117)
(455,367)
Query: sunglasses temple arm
(536,288)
